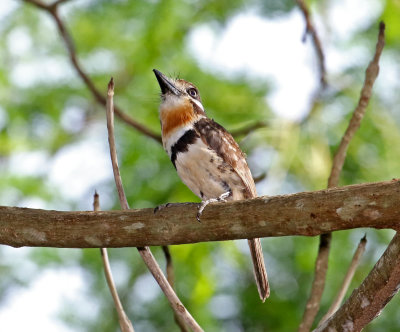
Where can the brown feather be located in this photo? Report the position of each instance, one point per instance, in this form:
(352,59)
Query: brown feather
(260,272)
(222,142)
(176,118)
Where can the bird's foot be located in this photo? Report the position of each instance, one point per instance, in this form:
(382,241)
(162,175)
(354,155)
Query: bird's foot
(203,204)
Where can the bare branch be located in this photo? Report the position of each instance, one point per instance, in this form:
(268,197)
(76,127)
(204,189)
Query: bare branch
(310,29)
(39,4)
(372,205)
(367,301)
(248,129)
(52,9)
(171,280)
(148,258)
(321,265)
(176,304)
(259,178)
(318,285)
(170,266)
(96,201)
(366,92)
(124,322)
(347,279)
(58,2)
(113,150)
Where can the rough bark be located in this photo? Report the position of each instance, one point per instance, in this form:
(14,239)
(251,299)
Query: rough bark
(309,213)
(367,301)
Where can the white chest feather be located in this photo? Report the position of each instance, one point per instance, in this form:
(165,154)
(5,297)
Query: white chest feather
(206,174)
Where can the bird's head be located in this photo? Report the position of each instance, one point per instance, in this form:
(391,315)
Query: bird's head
(180,103)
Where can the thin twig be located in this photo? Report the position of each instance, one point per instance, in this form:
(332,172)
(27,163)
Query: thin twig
(347,279)
(145,252)
(39,4)
(260,177)
(52,9)
(58,2)
(321,266)
(96,202)
(250,128)
(171,280)
(310,29)
(367,301)
(366,92)
(124,322)
(169,266)
(318,285)
(111,142)
(247,130)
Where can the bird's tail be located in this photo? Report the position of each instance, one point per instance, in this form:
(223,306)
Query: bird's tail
(260,273)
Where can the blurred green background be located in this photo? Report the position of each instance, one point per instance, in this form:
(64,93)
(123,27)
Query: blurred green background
(250,65)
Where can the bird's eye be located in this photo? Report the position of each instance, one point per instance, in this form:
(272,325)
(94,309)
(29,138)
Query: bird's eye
(192,92)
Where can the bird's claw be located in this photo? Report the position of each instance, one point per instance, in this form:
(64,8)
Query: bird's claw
(203,204)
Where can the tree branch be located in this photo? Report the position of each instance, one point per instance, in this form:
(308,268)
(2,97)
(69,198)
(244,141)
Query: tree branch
(111,142)
(260,177)
(171,279)
(144,251)
(52,9)
(124,322)
(367,301)
(372,205)
(310,29)
(321,265)
(249,128)
(347,279)
(59,2)
(318,284)
(370,76)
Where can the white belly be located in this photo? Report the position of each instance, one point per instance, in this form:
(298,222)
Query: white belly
(205,173)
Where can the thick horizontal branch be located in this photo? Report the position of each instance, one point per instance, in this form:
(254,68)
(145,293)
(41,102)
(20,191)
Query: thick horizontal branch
(373,205)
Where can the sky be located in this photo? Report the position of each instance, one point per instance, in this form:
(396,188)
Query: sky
(235,49)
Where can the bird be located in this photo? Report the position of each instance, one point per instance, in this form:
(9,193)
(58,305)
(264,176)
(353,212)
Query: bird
(206,157)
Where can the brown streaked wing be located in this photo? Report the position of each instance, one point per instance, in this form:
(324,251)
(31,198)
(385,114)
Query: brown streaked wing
(222,142)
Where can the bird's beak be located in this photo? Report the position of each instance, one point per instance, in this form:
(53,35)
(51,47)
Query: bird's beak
(165,83)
